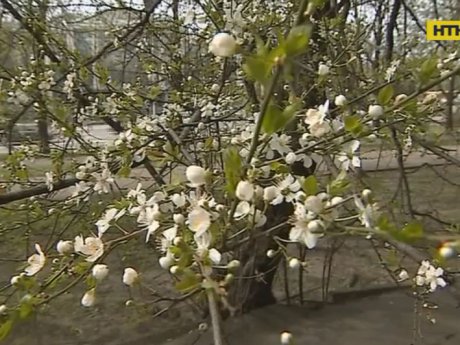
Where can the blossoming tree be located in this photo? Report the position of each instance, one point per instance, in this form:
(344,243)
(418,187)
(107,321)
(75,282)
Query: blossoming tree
(248,117)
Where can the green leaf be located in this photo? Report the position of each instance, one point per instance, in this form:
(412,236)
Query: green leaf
(233,168)
(276,119)
(297,40)
(124,171)
(25,310)
(385,95)
(353,124)
(258,68)
(412,231)
(339,185)
(5,329)
(310,185)
(428,69)
(154,91)
(188,282)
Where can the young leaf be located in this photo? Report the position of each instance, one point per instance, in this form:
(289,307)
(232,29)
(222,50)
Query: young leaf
(5,329)
(275,118)
(297,40)
(412,231)
(232,168)
(353,124)
(258,68)
(310,185)
(428,69)
(385,95)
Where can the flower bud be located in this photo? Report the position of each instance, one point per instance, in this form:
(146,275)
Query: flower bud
(215,88)
(244,191)
(178,218)
(229,278)
(290,158)
(271,253)
(286,338)
(15,280)
(366,193)
(403,275)
(233,264)
(177,240)
(130,276)
(174,269)
(270,193)
(166,262)
(399,98)
(222,44)
(89,298)
(323,69)
(375,111)
(340,101)
(3,309)
(196,175)
(100,271)
(294,263)
(64,247)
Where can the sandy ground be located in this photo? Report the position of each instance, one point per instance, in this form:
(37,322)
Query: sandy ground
(394,318)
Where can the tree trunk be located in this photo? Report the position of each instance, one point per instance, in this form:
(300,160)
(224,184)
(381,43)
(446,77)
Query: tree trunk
(43,134)
(253,286)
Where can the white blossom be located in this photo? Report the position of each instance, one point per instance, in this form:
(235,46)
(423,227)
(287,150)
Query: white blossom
(35,262)
(287,190)
(179,199)
(316,120)
(428,275)
(91,247)
(49,179)
(150,220)
(306,230)
(103,181)
(104,223)
(203,243)
(199,220)
(242,210)
(348,157)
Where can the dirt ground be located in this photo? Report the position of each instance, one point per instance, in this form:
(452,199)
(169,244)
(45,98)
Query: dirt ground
(355,266)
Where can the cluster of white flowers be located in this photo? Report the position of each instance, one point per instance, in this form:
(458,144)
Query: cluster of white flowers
(69,85)
(430,276)
(312,216)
